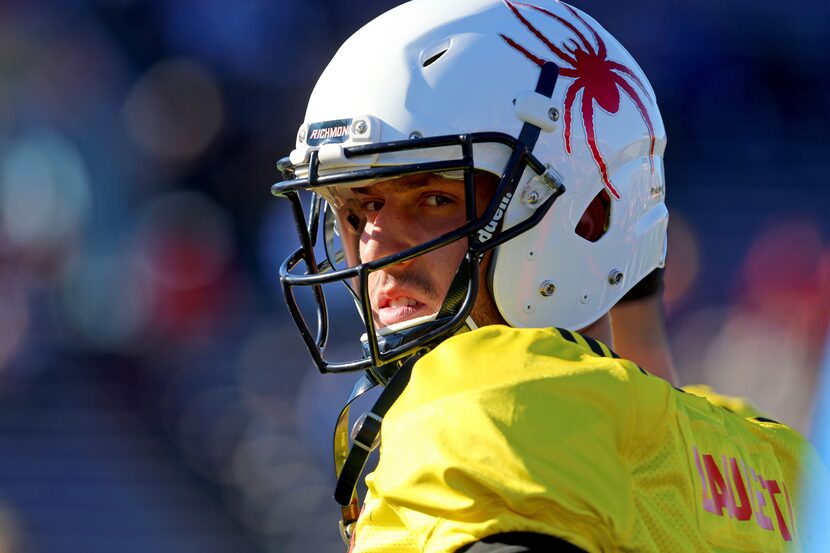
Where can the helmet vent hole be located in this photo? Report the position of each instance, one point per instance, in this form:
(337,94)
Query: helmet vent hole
(596,219)
(433,58)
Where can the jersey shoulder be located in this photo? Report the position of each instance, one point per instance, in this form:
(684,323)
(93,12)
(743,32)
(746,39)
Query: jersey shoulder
(740,406)
(505,356)
(513,430)
(542,365)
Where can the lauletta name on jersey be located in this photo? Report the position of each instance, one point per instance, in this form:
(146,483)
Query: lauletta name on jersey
(724,486)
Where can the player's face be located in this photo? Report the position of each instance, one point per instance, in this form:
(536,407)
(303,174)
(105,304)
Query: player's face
(405,212)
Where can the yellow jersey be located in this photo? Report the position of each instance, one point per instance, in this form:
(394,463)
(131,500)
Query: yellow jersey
(546,431)
(738,405)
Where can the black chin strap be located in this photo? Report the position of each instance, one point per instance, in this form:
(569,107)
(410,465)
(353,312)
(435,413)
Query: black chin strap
(365,438)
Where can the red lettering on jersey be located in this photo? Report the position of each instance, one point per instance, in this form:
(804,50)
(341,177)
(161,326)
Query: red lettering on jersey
(708,503)
(717,485)
(760,518)
(724,484)
(773,489)
(742,511)
(730,497)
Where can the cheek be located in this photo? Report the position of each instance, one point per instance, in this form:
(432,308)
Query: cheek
(442,264)
(352,248)
(360,248)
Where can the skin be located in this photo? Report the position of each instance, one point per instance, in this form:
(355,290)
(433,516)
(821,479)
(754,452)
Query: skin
(639,330)
(401,213)
(389,216)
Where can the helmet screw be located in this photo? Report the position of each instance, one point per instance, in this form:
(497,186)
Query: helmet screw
(360,126)
(415,134)
(532,197)
(615,277)
(547,288)
(553,113)
(301,135)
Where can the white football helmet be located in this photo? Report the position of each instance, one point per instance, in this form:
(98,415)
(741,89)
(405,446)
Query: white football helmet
(579,216)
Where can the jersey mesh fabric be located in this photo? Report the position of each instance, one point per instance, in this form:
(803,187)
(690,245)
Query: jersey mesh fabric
(663,523)
(537,430)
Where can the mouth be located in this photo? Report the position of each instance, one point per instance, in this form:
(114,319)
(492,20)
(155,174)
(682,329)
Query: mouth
(402,308)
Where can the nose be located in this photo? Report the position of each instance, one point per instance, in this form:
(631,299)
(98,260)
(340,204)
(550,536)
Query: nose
(391,231)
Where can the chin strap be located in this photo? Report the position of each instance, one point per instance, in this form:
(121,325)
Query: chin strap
(351,510)
(349,463)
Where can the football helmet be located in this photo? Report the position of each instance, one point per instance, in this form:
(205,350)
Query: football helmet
(538,94)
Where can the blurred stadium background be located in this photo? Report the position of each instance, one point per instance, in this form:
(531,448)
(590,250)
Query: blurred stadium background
(154,395)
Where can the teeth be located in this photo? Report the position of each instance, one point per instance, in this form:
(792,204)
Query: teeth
(402,302)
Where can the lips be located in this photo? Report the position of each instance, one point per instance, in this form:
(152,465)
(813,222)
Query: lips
(399,308)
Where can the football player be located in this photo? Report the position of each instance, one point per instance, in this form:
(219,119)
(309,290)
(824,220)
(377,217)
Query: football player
(486,178)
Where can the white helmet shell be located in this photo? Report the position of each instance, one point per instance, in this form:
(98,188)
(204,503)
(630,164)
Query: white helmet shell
(431,68)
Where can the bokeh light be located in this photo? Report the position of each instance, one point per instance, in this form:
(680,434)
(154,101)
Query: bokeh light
(782,278)
(105,301)
(44,192)
(174,111)
(761,359)
(184,247)
(184,239)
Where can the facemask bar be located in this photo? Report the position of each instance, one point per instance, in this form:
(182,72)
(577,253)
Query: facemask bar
(381,351)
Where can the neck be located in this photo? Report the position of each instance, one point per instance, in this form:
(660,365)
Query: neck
(600,330)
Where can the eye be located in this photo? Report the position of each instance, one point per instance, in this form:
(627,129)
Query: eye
(371,206)
(437,200)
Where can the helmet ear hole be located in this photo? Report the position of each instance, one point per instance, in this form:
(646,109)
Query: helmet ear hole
(596,219)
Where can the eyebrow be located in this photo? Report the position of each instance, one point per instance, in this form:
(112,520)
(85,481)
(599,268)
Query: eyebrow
(398,185)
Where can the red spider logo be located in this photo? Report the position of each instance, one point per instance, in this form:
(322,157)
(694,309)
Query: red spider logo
(599,78)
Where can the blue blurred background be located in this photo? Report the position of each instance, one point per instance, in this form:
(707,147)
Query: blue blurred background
(154,395)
